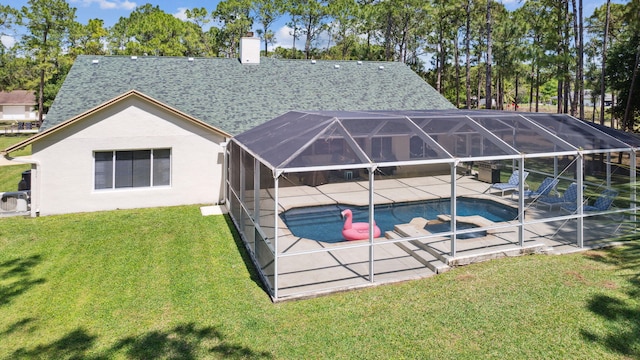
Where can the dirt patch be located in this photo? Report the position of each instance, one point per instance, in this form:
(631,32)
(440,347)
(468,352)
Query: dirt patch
(579,278)
(465,277)
(596,255)
(609,285)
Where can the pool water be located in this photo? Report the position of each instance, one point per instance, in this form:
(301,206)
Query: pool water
(324,223)
(445,226)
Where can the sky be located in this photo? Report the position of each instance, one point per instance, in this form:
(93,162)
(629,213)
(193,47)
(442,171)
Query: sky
(111,10)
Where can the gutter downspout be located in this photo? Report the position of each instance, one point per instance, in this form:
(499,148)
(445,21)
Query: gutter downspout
(35,198)
(225,165)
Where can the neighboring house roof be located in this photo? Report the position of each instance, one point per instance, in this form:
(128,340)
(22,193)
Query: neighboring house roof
(17,97)
(127,95)
(236,97)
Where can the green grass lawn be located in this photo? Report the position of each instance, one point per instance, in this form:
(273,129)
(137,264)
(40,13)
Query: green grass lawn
(10,175)
(170,283)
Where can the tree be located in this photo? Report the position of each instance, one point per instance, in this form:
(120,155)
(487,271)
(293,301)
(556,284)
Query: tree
(62,65)
(538,45)
(150,31)
(538,27)
(311,15)
(623,61)
(467,47)
(446,17)
(343,29)
(16,71)
(479,45)
(604,62)
(511,50)
(579,40)
(236,20)
(622,65)
(48,23)
(88,39)
(8,18)
(266,12)
(287,53)
(506,51)
(367,24)
(557,45)
(632,96)
(601,19)
(403,26)
(206,44)
(8,79)
(489,99)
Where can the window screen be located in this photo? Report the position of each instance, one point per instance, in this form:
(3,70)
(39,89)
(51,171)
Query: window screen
(129,169)
(104,170)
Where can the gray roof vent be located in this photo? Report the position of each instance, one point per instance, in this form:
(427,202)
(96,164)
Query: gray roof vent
(336,66)
(95,61)
(134,57)
(359,62)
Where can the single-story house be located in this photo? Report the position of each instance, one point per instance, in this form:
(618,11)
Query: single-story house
(131,132)
(18,106)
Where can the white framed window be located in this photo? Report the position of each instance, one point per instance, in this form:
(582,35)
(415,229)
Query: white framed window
(132,168)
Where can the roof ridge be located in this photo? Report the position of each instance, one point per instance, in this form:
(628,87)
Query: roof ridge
(235,97)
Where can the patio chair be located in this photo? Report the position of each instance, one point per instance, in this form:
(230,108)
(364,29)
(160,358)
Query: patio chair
(545,188)
(602,203)
(568,197)
(512,184)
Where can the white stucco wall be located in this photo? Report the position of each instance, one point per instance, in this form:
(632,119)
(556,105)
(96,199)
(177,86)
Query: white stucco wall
(65,179)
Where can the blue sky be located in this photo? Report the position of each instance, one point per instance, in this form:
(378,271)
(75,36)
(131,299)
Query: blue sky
(111,10)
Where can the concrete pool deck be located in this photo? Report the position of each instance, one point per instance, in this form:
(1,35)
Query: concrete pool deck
(308,268)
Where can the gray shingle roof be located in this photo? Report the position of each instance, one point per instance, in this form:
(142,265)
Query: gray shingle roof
(235,97)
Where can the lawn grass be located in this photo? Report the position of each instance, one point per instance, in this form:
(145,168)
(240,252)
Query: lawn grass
(170,283)
(10,175)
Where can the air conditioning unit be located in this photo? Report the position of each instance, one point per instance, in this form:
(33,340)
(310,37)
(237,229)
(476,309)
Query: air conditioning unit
(16,201)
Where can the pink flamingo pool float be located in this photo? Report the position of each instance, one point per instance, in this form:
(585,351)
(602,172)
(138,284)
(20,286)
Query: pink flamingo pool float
(358,230)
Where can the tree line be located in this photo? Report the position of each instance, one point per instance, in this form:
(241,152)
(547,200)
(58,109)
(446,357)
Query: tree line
(476,53)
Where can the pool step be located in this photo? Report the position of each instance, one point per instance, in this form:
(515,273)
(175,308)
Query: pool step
(497,252)
(412,231)
(439,248)
(419,253)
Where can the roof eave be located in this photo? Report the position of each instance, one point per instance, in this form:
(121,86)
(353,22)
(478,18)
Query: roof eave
(105,105)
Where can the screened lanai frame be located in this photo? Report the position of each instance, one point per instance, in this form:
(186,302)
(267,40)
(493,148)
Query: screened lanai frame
(264,159)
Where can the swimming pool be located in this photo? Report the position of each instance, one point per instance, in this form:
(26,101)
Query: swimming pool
(324,223)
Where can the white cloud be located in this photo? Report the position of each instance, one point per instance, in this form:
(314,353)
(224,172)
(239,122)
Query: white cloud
(108,4)
(181,13)
(284,38)
(7,41)
(129,5)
